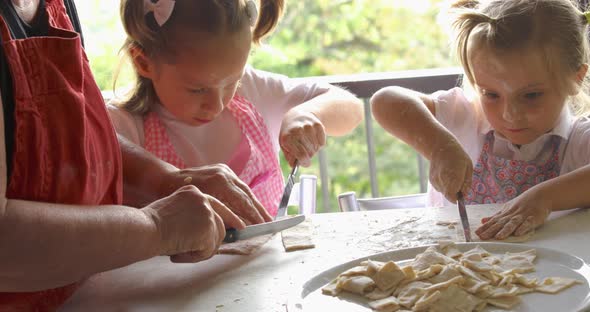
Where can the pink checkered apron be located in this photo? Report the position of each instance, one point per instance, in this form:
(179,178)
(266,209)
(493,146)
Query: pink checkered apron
(498,180)
(262,172)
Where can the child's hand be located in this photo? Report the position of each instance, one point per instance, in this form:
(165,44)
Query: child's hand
(451,170)
(189,228)
(301,137)
(517,217)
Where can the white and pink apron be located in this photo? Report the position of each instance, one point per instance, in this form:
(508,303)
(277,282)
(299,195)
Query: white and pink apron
(262,172)
(498,180)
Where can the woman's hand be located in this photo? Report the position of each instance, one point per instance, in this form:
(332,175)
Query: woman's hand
(301,137)
(519,216)
(451,170)
(223,184)
(189,228)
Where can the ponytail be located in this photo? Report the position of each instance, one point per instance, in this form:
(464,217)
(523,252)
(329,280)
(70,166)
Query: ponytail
(270,13)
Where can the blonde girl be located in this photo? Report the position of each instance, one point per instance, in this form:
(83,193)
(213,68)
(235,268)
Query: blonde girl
(511,135)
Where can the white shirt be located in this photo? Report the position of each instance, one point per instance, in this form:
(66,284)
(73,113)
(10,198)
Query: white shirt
(272,95)
(467,122)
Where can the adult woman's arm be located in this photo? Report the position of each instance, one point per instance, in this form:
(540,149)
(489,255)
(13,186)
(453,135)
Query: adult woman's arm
(49,245)
(147,178)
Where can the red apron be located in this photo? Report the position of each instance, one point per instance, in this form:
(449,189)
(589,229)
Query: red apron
(65,149)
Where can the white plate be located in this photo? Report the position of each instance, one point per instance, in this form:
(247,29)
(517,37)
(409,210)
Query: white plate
(549,263)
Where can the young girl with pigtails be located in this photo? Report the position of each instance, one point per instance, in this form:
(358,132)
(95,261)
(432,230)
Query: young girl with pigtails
(515,134)
(197,102)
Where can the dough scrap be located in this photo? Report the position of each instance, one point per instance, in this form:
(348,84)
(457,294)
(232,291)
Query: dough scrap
(298,237)
(244,247)
(553,285)
(435,282)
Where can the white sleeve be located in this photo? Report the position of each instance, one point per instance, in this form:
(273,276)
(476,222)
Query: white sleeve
(577,153)
(457,113)
(274,94)
(126,124)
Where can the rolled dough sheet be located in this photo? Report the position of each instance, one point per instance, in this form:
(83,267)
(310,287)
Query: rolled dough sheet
(474,225)
(244,247)
(298,237)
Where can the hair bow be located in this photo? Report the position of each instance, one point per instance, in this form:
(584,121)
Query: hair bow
(587,16)
(162,9)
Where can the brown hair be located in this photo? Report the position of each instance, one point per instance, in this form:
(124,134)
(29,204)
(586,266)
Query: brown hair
(555,28)
(214,17)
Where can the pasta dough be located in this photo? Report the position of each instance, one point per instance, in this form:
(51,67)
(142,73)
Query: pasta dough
(444,279)
(298,237)
(244,247)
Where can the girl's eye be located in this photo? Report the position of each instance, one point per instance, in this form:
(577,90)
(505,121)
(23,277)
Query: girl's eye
(489,95)
(533,95)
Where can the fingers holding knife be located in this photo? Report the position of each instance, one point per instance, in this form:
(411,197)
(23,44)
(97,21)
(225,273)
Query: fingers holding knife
(464,217)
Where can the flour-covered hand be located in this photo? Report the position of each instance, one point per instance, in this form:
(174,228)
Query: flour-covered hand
(451,170)
(519,216)
(301,137)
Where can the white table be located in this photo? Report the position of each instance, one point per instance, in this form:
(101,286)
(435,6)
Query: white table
(263,281)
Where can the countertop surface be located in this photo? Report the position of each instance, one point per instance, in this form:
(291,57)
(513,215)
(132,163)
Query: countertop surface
(264,281)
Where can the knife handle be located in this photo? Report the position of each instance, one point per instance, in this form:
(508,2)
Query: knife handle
(230,235)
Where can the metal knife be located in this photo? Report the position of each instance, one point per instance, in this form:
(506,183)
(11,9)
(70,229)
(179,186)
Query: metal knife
(463,215)
(287,191)
(232,235)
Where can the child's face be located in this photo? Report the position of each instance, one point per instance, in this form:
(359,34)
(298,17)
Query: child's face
(204,78)
(517,94)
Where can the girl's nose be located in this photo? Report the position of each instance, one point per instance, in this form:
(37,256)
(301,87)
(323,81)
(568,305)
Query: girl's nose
(512,112)
(213,105)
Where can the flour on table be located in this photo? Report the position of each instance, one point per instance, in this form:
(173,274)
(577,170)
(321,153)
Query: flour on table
(298,237)
(449,224)
(474,238)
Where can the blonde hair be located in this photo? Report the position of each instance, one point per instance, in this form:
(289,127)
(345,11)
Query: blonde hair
(215,17)
(554,28)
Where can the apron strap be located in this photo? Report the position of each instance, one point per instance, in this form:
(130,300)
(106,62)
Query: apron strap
(73,14)
(7,95)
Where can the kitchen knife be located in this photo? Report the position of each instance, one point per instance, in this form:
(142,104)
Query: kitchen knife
(463,215)
(232,235)
(287,191)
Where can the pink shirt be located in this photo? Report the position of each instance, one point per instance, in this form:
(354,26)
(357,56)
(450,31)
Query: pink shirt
(467,122)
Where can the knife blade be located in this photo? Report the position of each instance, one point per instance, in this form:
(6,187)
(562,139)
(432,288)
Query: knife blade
(232,235)
(287,191)
(463,215)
